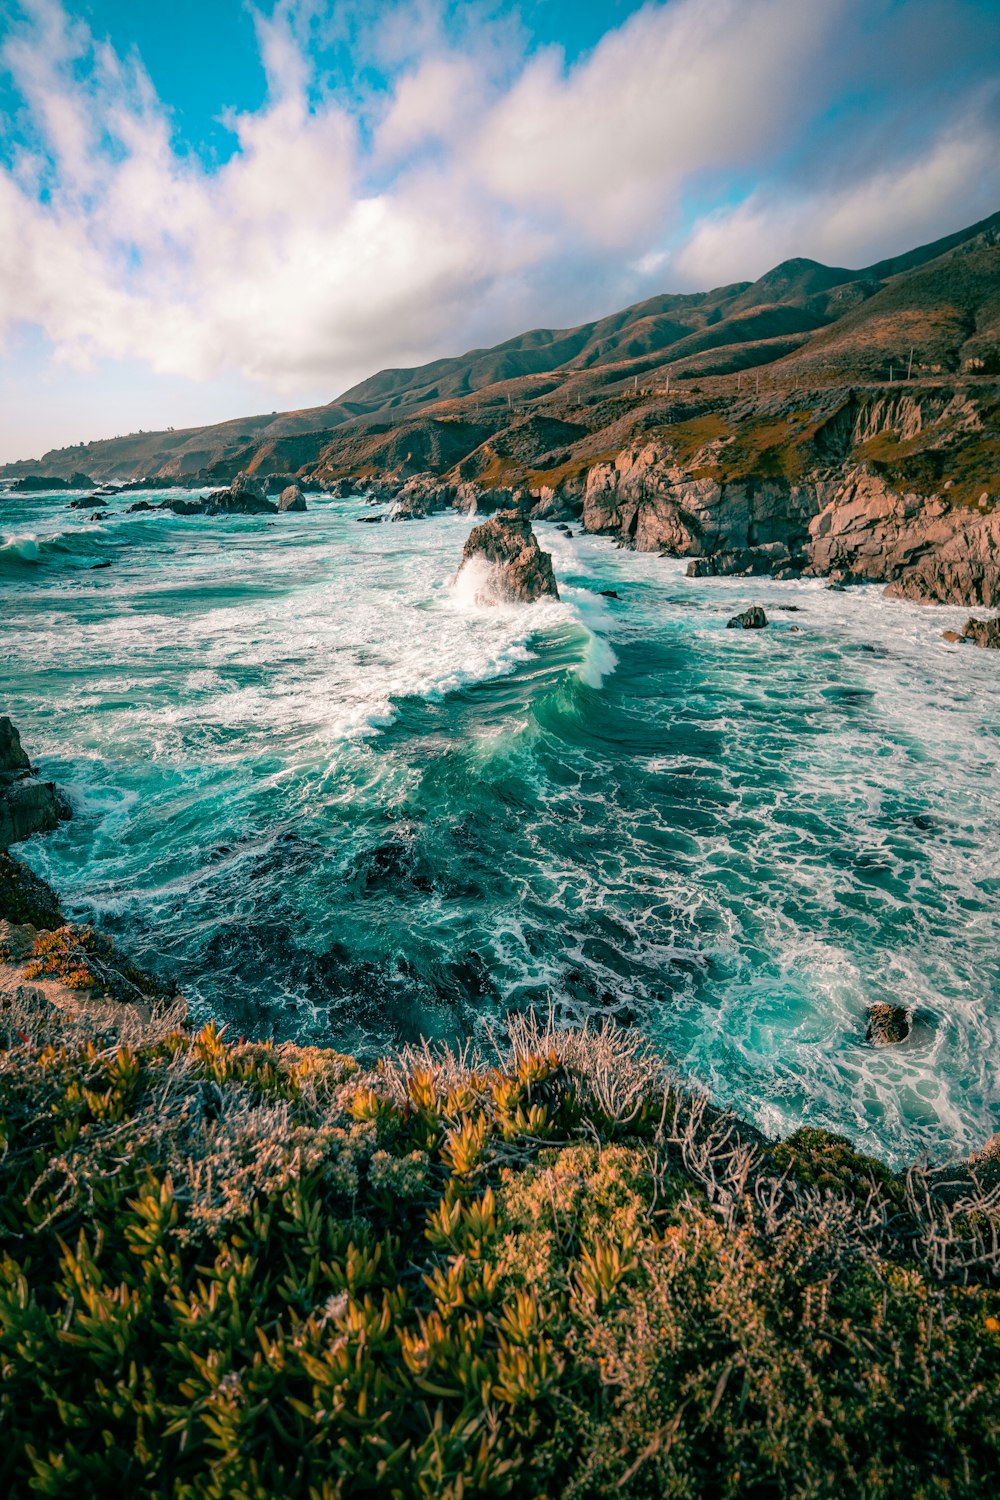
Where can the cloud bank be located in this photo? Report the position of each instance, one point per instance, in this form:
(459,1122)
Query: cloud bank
(479,185)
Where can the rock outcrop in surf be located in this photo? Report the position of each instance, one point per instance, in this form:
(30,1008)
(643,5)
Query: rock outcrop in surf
(516,569)
(27,805)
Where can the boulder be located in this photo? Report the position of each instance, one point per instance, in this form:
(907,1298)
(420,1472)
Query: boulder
(887,1024)
(292,498)
(13,759)
(27,805)
(516,569)
(983,632)
(952,636)
(753,618)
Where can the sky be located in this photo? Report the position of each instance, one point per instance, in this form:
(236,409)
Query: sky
(212,208)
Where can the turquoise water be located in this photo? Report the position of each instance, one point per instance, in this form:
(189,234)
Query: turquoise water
(341,803)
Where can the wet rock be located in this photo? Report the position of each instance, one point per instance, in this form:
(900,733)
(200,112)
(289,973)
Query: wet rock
(13,757)
(753,618)
(142,505)
(518,570)
(27,805)
(887,1024)
(96,567)
(983,632)
(292,498)
(952,636)
(610,594)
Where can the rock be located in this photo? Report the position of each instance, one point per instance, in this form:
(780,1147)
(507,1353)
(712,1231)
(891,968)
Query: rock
(33,483)
(753,618)
(96,567)
(25,897)
(983,632)
(292,498)
(27,805)
(951,636)
(13,759)
(610,594)
(516,568)
(887,1024)
(142,505)
(989,1150)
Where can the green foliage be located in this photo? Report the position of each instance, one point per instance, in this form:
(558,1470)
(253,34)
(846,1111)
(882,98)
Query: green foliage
(820,1159)
(239,1270)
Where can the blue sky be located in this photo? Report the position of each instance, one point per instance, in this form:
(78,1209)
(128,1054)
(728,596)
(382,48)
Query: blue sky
(211,207)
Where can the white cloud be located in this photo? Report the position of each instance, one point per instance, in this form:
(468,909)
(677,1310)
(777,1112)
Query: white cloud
(951,184)
(494,189)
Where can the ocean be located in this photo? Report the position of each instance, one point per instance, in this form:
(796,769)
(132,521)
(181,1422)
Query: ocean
(342,804)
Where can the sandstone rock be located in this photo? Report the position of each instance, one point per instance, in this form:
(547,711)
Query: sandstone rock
(517,568)
(983,632)
(952,636)
(887,1024)
(753,618)
(292,498)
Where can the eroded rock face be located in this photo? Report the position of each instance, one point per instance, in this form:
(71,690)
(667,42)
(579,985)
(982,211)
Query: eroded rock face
(515,569)
(27,805)
(887,1024)
(292,498)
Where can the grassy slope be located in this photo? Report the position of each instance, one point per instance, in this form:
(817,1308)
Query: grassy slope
(939,297)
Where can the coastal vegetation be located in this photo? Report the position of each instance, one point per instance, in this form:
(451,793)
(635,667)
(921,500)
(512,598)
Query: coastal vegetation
(237,1269)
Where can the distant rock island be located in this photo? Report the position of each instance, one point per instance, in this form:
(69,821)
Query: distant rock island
(817,421)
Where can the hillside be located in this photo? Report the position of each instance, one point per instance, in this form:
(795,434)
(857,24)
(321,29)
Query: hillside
(801,324)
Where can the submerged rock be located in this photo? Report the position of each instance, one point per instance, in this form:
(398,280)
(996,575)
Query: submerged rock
(887,1024)
(753,618)
(27,805)
(519,570)
(292,498)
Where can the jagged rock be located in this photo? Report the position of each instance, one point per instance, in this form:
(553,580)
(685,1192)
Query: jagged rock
(983,632)
(292,498)
(887,1024)
(518,568)
(13,758)
(27,805)
(753,618)
(25,897)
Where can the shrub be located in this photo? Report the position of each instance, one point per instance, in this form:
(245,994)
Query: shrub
(241,1270)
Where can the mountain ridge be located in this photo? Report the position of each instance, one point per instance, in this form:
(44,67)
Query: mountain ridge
(727,331)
